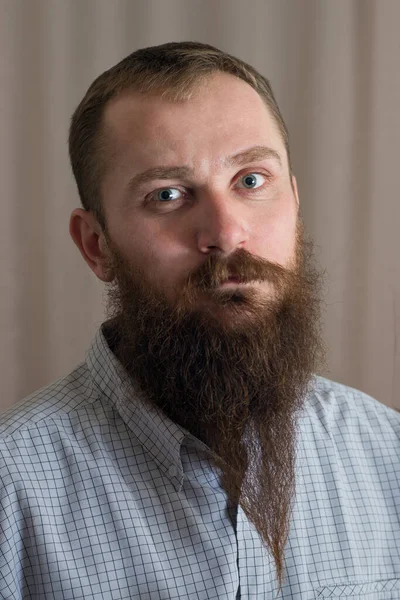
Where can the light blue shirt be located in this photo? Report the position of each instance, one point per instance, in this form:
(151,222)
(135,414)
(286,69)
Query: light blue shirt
(102,497)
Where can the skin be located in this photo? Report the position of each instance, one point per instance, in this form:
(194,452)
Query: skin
(217,216)
(229,362)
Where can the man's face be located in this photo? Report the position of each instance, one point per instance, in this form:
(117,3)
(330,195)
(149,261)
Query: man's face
(222,185)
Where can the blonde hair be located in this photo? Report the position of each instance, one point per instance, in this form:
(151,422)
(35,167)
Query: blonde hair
(174,71)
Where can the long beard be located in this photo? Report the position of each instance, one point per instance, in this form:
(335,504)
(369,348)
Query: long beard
(239,389)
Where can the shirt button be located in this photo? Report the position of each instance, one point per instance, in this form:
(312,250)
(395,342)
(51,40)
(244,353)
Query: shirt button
(172,471)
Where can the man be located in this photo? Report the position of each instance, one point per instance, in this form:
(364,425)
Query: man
(196,453)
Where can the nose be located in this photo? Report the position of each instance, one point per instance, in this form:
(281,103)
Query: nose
(221,224)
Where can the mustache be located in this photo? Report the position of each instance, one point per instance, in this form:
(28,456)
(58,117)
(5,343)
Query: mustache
(241,265)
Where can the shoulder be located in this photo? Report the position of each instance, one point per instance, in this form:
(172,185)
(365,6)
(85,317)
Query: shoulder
(342,410)
(55,401)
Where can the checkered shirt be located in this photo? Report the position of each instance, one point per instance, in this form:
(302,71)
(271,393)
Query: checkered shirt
(104,497)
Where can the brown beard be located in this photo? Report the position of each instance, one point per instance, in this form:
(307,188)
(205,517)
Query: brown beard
(234,370)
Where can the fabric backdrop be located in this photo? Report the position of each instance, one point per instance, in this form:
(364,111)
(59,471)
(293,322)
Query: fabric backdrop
(334,67)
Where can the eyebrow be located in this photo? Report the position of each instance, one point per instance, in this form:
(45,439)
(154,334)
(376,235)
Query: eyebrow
(250,155)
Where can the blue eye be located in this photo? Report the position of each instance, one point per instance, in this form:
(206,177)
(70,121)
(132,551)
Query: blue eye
(252,180)
(167,194)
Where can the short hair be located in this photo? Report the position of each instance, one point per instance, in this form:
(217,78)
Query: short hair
(174,71)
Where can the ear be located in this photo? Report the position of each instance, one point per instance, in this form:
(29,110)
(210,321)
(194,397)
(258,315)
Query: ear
(295,191)
(89,237)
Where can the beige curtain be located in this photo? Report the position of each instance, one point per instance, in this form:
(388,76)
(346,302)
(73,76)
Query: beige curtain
(335,68)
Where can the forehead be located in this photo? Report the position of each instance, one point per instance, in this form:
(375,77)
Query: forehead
(224,115)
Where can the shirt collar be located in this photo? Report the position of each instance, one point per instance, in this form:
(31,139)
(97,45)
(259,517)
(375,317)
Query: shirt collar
(160,436)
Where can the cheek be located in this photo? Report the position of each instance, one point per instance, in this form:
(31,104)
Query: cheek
(158,254)
(275,240)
